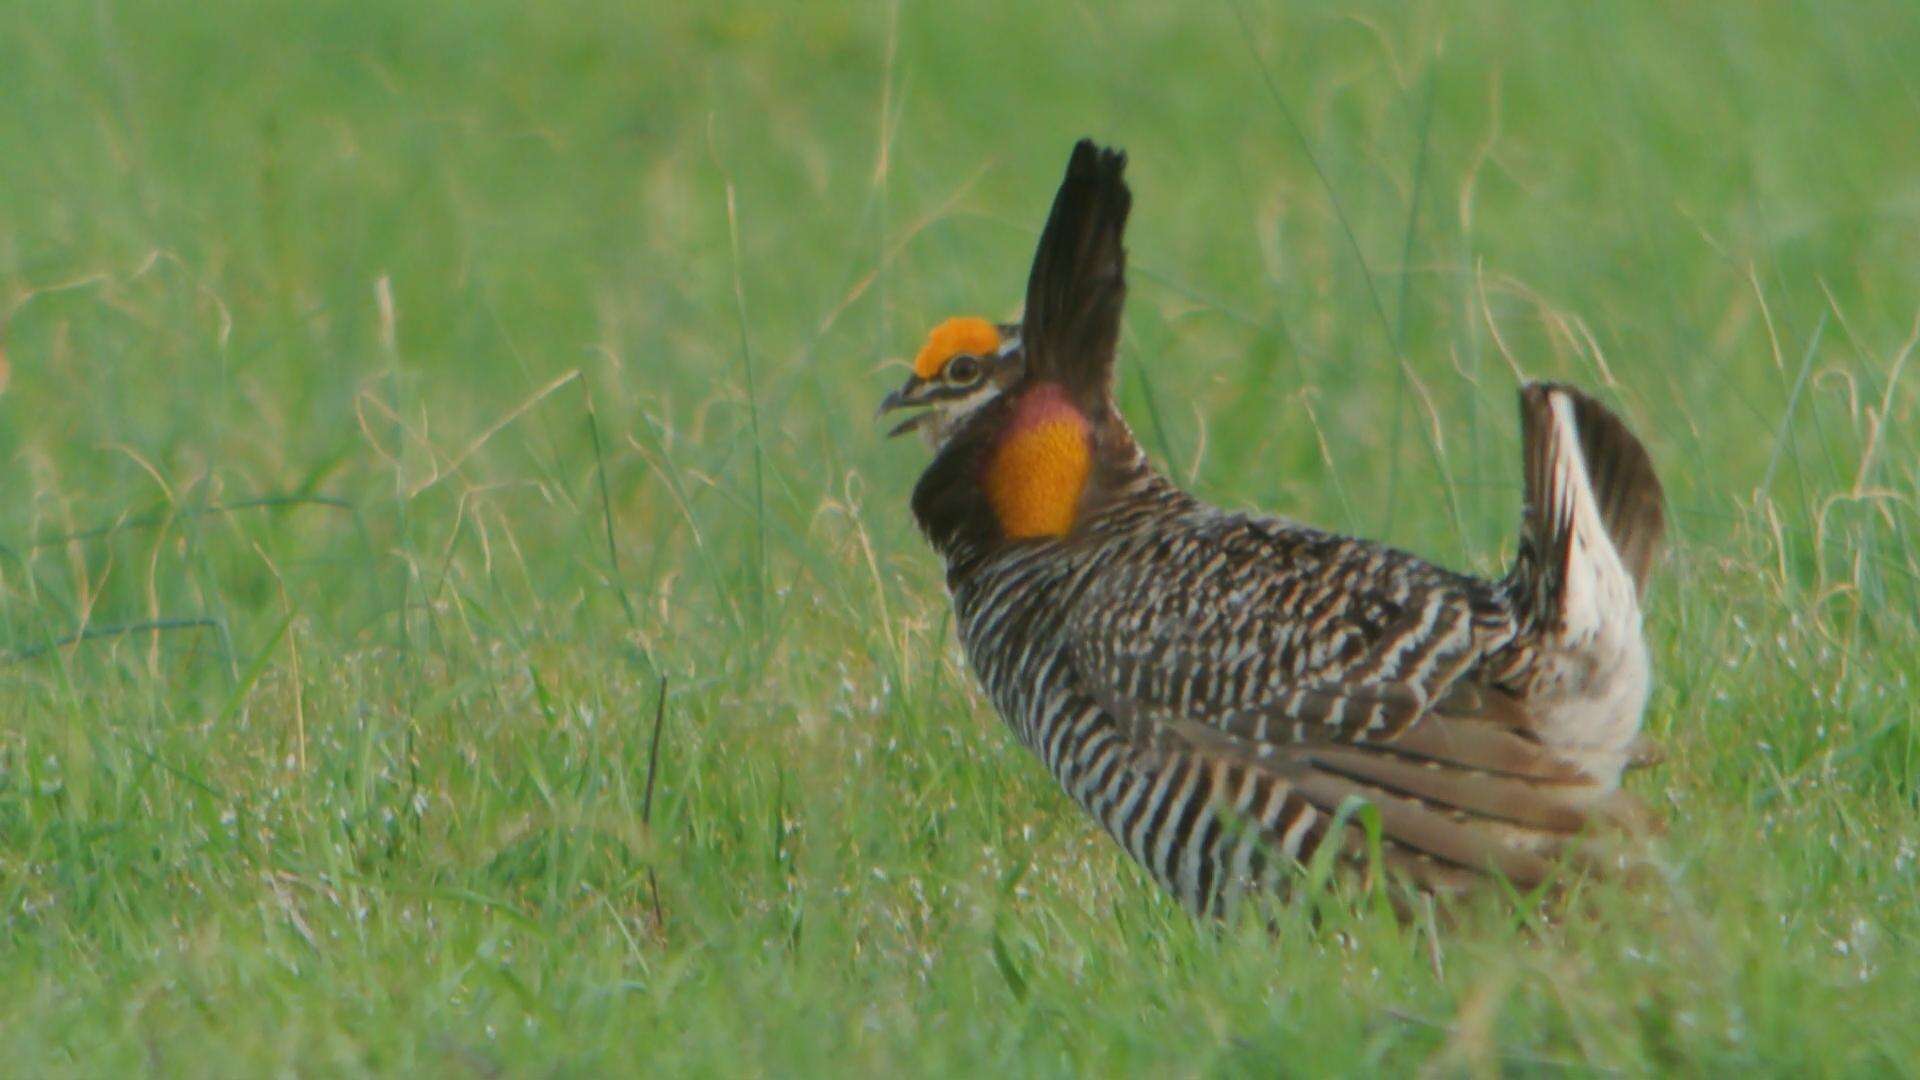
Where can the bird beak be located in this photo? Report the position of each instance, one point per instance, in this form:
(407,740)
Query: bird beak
(913,393)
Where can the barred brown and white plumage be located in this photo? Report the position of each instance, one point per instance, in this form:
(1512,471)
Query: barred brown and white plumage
(1213,687)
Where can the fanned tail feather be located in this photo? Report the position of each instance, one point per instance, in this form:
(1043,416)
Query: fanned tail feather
(1594,506)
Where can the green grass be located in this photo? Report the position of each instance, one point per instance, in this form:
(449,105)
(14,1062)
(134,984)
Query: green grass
(400,394)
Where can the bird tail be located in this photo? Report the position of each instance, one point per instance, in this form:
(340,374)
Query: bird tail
(1594,518)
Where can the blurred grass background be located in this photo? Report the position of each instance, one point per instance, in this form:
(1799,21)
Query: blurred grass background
(398,396)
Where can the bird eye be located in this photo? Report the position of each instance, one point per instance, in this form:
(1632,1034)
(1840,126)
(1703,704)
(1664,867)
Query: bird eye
(963,369)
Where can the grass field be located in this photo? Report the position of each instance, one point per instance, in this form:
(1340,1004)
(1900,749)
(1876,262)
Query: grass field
(398,397)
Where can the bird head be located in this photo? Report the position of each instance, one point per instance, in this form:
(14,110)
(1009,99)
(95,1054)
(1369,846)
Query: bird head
(965,363)
(1022,417)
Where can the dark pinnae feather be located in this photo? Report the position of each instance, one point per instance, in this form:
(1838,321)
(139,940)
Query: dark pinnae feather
(1067,335)
(1078,282)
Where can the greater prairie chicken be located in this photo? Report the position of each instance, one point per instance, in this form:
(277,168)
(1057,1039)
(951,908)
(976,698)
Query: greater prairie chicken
(1214,687)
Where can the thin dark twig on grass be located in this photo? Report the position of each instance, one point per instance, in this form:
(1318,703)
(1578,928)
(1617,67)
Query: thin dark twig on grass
(93,633)
(646,798)
(606,514)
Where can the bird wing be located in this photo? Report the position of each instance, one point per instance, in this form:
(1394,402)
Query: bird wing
(1340,682)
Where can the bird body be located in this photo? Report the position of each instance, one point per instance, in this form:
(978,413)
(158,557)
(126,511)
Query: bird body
(1219,689)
